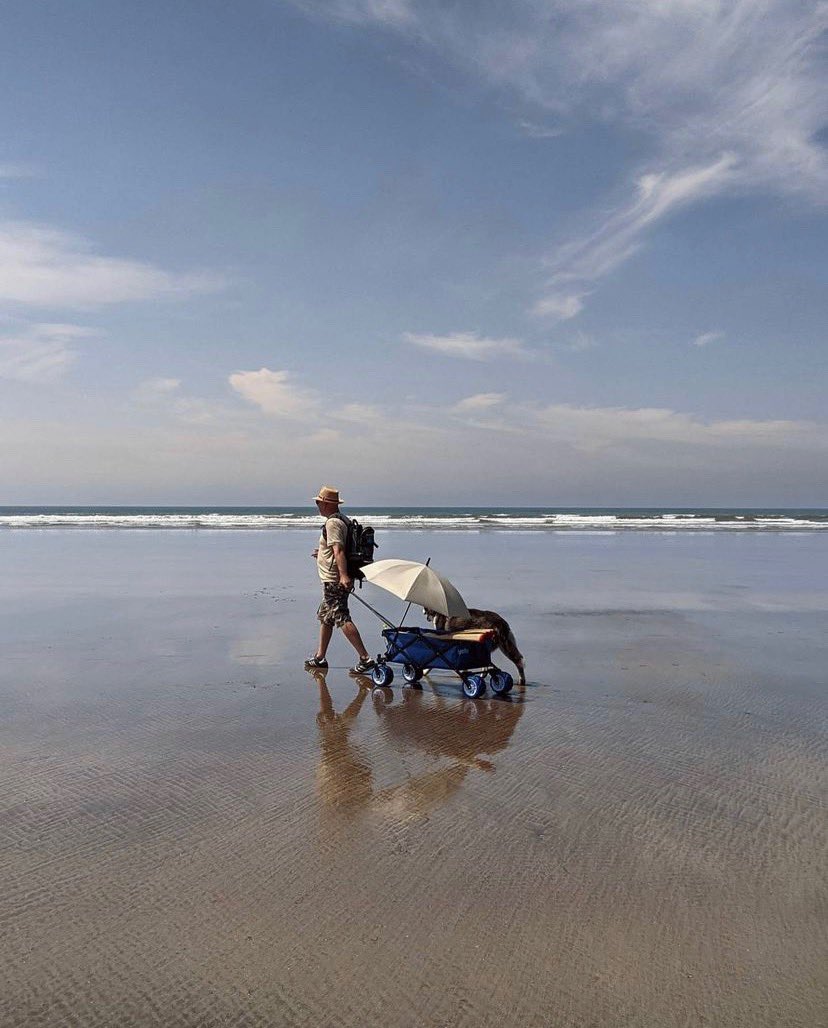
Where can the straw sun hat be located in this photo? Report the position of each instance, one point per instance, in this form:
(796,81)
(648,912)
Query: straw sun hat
(328,494)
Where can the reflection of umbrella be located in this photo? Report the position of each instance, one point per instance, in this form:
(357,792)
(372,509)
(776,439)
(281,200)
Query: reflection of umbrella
(417,583)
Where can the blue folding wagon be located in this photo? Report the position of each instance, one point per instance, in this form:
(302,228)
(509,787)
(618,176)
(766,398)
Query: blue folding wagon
(467,653)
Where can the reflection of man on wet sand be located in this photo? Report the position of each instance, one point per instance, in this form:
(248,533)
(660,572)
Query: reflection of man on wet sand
(344,776)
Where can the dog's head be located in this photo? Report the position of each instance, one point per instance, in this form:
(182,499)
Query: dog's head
(434,617)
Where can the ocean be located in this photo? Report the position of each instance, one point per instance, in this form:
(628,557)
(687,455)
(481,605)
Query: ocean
(468,519)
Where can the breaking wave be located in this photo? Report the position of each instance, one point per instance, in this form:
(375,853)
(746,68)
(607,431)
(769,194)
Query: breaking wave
(424,519)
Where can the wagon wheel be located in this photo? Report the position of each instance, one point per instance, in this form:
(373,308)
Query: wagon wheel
(474,686)
(500,681)
(411,673)
(382,675)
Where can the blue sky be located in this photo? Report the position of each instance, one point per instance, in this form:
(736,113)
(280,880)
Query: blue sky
(539,253)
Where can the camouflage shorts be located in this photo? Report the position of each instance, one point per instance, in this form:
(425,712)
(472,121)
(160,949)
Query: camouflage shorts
(333,610)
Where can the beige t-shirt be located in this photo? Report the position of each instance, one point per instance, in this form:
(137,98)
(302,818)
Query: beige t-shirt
(336,532)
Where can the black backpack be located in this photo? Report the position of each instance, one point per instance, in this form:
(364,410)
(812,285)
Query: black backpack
(359,545)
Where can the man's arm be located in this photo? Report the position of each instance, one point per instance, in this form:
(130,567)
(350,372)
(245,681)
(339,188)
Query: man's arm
(342,565)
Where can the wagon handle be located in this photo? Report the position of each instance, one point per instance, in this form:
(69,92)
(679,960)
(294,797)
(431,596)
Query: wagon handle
(382,617)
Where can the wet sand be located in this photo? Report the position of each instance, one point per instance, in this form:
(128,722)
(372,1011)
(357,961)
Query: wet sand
(196,832)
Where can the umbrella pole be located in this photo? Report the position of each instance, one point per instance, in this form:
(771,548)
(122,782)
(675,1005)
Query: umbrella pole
(405,615)
(368,605)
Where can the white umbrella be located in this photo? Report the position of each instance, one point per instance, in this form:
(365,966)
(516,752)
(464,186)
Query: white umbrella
(417,583)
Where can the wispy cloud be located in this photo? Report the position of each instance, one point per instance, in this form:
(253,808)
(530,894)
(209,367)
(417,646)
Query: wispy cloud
(571,453)
(393,13)
(479,402)
(701,77)
(468,345)
(652,435)
(276,394)
(596,428)
(323,437)
(43,267)
(168,400)
(196,410)
(559,305)
(534,130)
(15,170)
(706,338)
(266,394)
(155,389)
(582,262)
(358,413)
(40,353)
(731,96)
(164,396)
(580,343)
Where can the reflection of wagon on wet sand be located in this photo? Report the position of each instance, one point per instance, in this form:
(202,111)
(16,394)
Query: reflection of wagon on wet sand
(468,654)
(465,733)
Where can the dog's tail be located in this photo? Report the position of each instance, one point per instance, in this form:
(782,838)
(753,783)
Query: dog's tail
(514,646)
(510,648)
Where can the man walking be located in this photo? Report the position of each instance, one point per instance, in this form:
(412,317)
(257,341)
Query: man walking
(332,565)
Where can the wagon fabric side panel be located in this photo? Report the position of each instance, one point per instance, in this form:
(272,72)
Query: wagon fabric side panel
(438,650)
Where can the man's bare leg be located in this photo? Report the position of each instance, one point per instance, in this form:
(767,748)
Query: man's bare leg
(325,633)
(351,633)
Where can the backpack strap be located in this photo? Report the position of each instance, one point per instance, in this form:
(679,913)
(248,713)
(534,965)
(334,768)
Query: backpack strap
(346,521)
(337,514)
